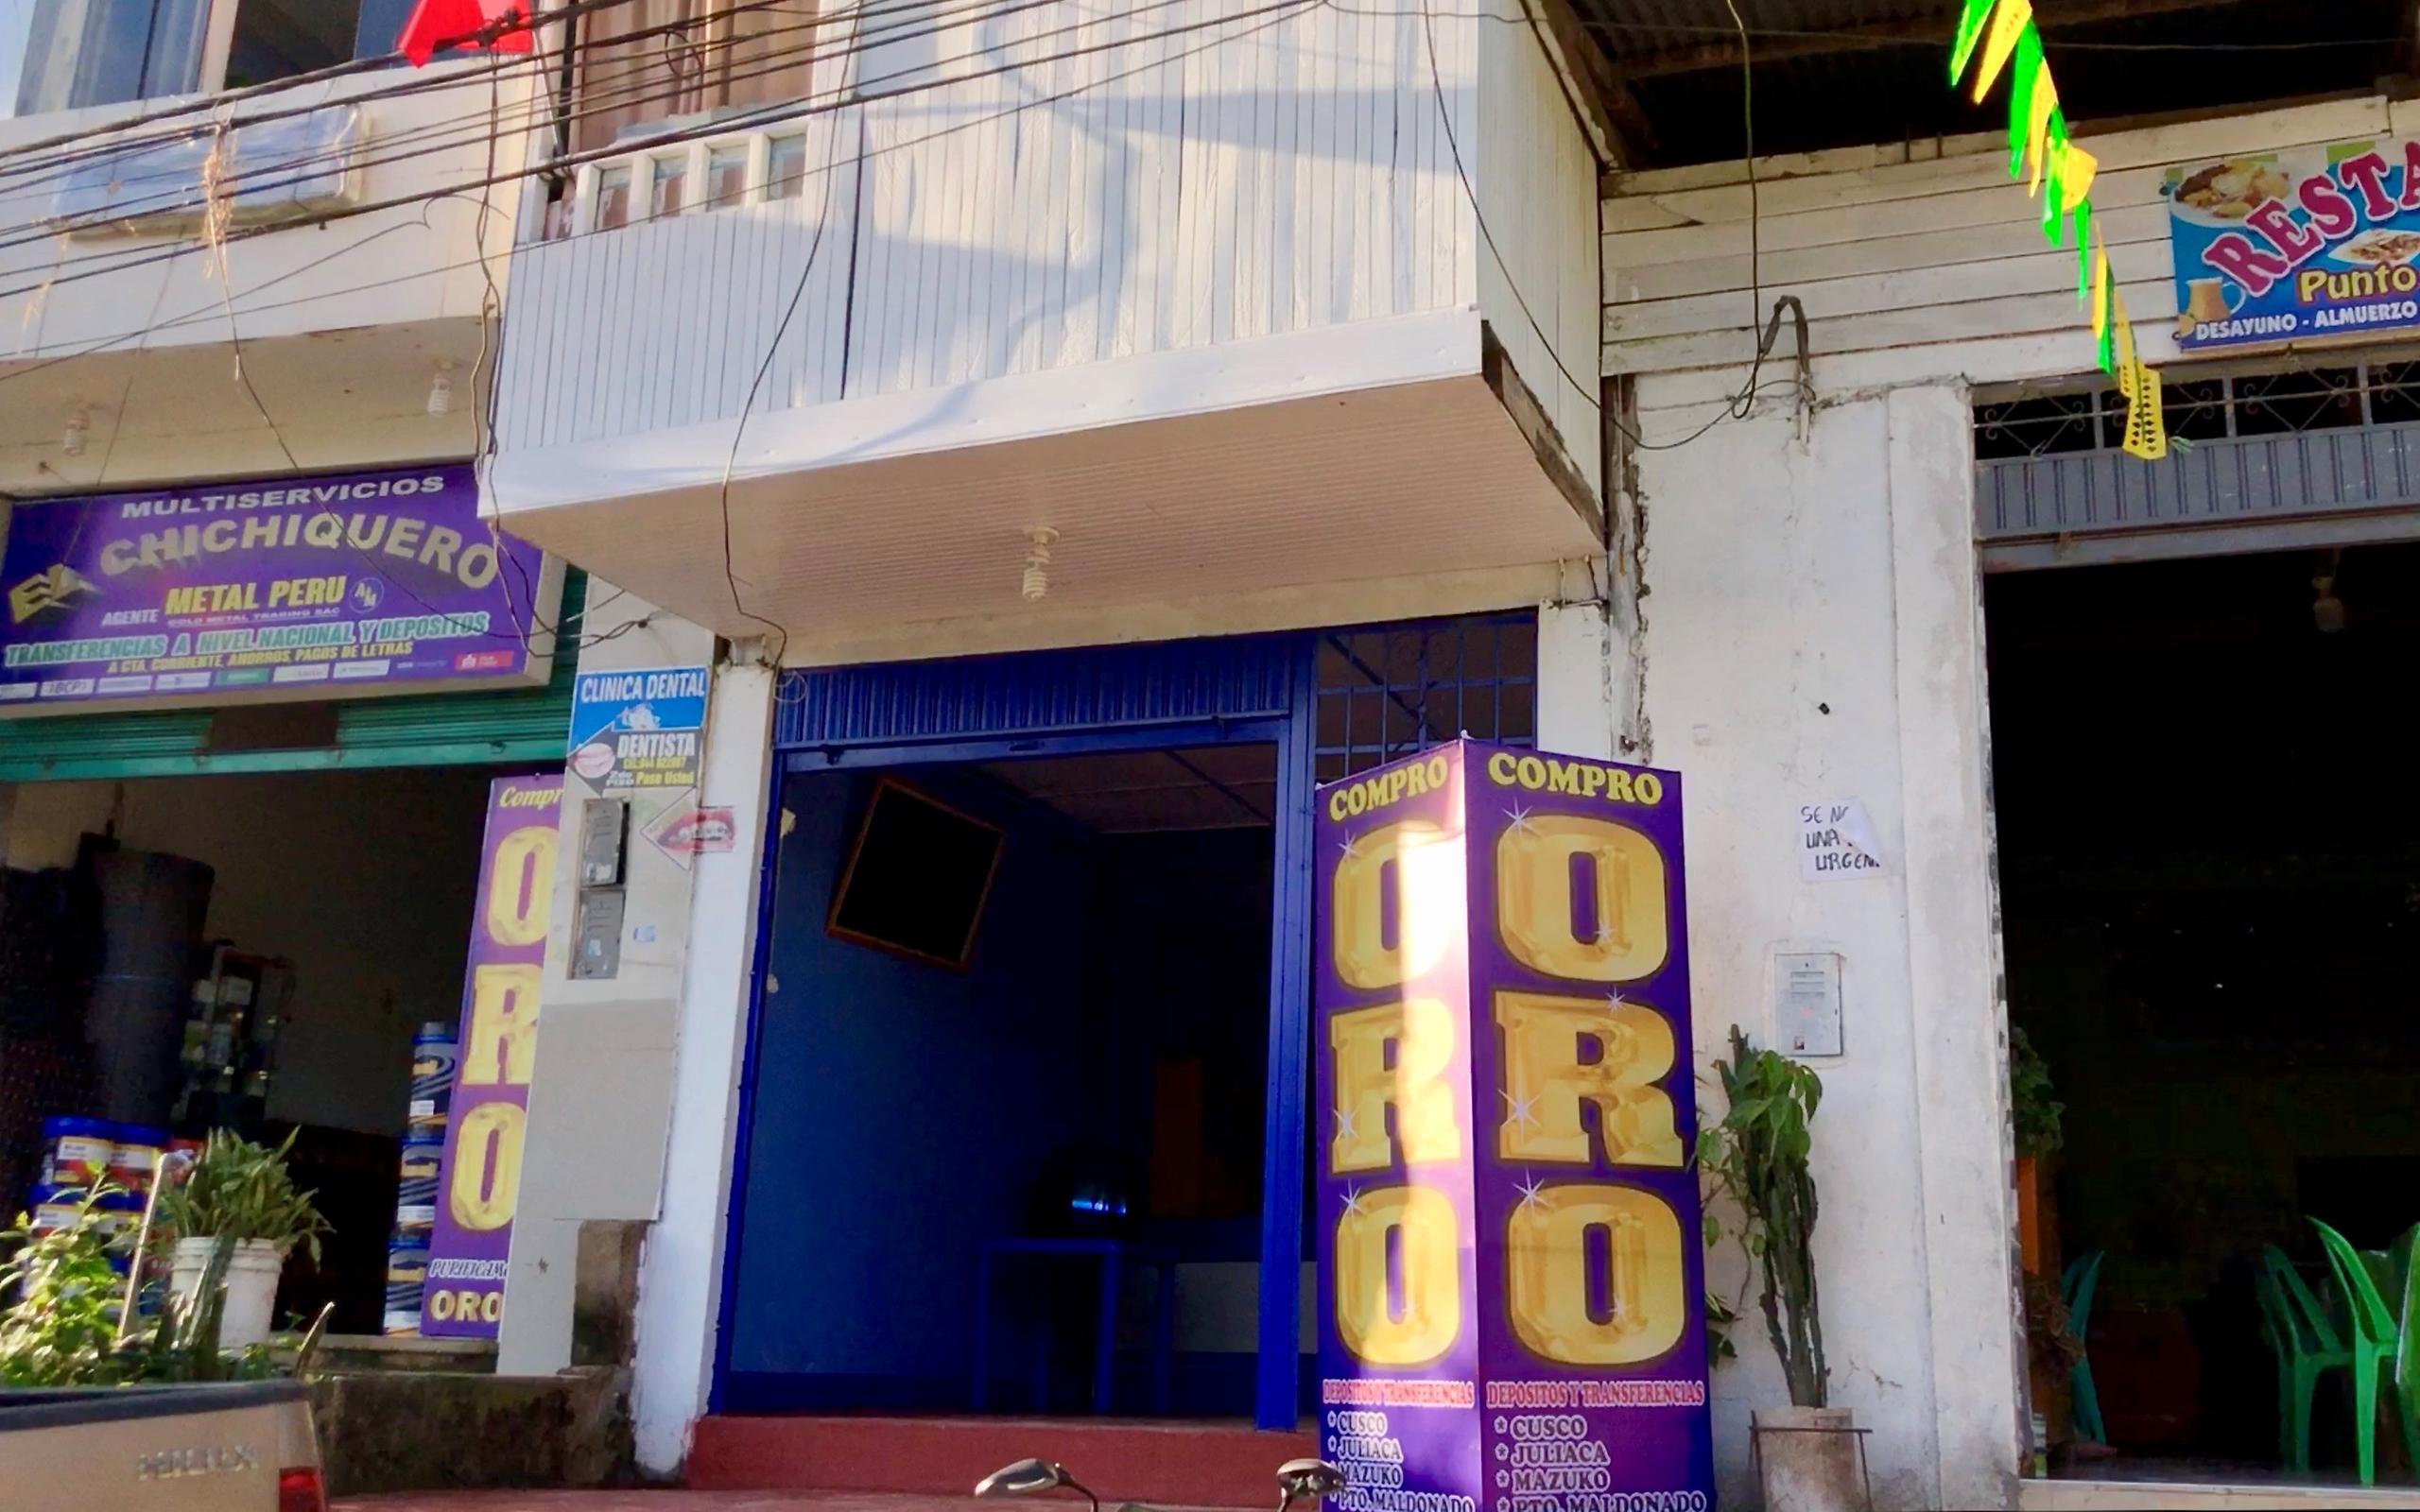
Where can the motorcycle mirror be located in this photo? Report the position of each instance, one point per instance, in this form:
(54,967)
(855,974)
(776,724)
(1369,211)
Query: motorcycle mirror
(1022,1478)
(1308,1477)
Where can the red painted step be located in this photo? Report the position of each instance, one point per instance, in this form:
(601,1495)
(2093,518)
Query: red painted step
(1172,1464)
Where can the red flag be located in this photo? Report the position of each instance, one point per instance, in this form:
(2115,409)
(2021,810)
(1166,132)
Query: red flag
(439,21)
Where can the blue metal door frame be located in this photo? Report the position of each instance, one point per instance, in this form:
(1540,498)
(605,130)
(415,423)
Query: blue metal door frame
(1246,690)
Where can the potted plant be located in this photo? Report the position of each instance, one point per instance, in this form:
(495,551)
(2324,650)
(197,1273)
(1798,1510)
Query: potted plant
(70,1319)
(1756,1156)
(240,1197)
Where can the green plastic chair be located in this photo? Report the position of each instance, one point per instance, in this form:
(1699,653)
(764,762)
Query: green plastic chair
(2398,1283)
(2304,1342)
(2377,1347)
(2076,1287)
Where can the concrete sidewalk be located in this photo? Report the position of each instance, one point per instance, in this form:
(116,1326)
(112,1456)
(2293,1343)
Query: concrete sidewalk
(668,1501)
(665,1501)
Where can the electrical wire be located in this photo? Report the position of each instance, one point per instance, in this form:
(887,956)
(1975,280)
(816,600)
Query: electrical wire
(798,290)
(491,307)
(1603,27)
(1288,9)
(433,140)
(1747,398)
(619,89)
(1869,39)
(787,111)
(103,343)
(1454,147)
(778,112)
(756,385)
(484,37)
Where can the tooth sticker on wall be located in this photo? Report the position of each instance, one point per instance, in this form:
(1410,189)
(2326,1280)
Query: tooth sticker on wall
(1999,35)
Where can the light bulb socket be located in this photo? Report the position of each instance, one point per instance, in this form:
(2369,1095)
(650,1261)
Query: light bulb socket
(1037,561)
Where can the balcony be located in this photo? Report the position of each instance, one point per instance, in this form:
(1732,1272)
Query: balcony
(1212,305)
(344,327)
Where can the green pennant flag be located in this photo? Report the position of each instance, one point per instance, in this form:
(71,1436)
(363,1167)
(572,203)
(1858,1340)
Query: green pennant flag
(1970,31)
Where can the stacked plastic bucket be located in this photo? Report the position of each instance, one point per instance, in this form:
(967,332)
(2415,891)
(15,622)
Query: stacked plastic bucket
(434,1054)
(78,1152)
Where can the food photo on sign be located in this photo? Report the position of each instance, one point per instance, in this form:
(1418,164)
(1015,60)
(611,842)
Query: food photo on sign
(2303,244)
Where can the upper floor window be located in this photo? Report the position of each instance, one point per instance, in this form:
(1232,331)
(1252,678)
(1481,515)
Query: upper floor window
(80,53)
(685,61)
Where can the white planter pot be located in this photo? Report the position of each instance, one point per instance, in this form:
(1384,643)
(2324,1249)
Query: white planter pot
(1809,1460)
(252,1286)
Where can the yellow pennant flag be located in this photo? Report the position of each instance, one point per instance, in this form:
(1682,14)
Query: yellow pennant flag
(2044,99)
(2076,170)
(2008,23)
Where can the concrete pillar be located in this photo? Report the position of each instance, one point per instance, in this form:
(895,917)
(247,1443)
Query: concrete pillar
(680,1269)
(1577,660)
(600,1090)
(1954,948)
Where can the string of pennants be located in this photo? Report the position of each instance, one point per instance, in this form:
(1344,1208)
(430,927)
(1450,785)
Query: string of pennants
(2001,34)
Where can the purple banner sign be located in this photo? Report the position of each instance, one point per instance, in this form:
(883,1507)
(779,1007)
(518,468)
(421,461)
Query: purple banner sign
(317,587)
(480,1181)
(1510,1270)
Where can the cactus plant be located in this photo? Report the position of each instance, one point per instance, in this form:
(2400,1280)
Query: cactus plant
(1757,1158)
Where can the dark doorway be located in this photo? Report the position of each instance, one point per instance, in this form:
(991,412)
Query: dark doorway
(944,1154)
(2210,864)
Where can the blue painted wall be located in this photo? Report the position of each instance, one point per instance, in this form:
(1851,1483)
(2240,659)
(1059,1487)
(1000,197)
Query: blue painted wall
(904,1110)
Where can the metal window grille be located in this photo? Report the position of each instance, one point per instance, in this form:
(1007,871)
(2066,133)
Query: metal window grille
(2290,401)
(1387,691)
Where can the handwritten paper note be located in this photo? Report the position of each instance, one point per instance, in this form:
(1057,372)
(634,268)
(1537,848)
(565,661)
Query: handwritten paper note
(1836,842)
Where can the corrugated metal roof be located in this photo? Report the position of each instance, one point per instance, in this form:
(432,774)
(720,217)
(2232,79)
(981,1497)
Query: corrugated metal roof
(1813,92)
(1638,28)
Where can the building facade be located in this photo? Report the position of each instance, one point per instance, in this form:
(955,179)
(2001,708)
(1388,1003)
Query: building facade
(1069,435)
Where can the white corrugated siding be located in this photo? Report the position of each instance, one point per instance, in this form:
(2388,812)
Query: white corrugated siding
(1273,174)
(1536,180)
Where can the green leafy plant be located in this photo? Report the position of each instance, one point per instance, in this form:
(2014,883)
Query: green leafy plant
(61,1322)
(61,1325)
(1756,1156)
(1720,1315)
(239,1190)
(2035,1111)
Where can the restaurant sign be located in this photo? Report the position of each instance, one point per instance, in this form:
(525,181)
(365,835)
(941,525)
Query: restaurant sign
(1511,1277)
(2310,245)
(295,588)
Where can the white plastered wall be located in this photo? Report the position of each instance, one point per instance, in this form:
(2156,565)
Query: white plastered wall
(680,1267)
(1813,634)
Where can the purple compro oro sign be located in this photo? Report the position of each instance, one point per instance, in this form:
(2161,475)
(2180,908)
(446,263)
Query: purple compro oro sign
(295,588)
(480,1184)
(1511,1282)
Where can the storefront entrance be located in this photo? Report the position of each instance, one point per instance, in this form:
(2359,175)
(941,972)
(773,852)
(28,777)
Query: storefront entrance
(300,892)
(1025,1104)
(336,906)
(2209,868)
